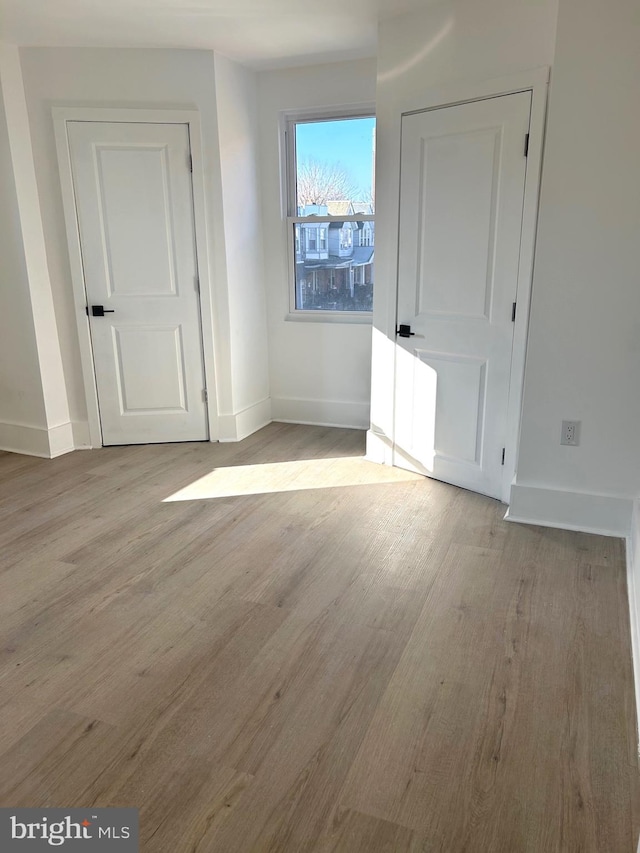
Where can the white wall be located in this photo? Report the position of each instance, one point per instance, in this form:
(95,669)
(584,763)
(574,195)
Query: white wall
(239,136)
(21,398)
(320,372)
(151,79)
(459,40)
(450,42)
(583,357)
(55,435)
(584,343)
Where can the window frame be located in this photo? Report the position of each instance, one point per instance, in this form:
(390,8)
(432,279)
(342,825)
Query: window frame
(290,209)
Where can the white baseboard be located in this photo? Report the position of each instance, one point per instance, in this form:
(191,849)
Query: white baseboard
(603,514)
(379,448)
(21,438)
(81,435)
(338,413)
(36,441)
(242,424)
(61,440)
(633,591)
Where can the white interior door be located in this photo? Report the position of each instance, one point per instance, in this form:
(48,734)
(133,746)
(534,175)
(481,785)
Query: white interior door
(133,193)
(461,202)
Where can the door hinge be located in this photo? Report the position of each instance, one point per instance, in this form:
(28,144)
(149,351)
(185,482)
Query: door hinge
(503,454)
(205,395)
(190,163)
(513,312)
(198,283)
(526,145)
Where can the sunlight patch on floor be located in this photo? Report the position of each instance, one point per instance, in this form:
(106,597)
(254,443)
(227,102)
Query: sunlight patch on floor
(290,477)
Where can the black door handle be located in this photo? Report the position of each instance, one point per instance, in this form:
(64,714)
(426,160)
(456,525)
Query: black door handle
(404,331)
(100,310)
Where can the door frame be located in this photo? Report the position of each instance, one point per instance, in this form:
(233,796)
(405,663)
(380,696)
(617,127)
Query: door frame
(535,81)
(126,115)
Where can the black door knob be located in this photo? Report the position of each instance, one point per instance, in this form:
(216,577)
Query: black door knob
(100,310)
(404,331)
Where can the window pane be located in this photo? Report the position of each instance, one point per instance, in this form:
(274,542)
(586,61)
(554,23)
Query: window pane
(334,273)
(335,166)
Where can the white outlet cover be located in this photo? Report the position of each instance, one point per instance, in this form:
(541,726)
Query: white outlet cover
(570,435)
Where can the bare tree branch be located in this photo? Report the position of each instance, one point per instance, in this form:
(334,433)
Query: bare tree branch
(320,182)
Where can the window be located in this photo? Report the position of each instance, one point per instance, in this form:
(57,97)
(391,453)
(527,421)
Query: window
(346,241)
(330,195)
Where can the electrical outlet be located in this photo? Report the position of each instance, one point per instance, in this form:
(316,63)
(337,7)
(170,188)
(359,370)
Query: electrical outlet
(570,433)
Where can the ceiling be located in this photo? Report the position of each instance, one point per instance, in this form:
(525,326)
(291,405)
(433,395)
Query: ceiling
(258,33)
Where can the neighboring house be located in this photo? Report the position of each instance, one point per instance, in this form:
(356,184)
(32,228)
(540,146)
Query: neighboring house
(334,259)
(367,228)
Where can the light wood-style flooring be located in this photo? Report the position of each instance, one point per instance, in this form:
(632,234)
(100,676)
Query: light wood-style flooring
(351,659)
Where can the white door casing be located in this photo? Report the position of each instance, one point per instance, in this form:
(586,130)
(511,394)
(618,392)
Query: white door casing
(134,204)
(463,172)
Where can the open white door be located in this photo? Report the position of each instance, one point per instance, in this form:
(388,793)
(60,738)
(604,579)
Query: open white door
(461,202)
(133,194)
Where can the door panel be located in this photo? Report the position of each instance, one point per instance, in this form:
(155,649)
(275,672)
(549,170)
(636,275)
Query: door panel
(133,196)
(461,199)
(451,281)
(460,403)
(137,219)
(150,369)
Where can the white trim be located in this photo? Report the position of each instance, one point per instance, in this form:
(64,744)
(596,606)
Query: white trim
(366,109)
(525,277)
(379,448)
(321,219)
(476,90)
(335,413)
(81,435)
(61,439)
(535,81)
(36,441)
(22,438)
(207,301)
(633,592)
(125,114)
(363,318)
(61,116)
(245,422)
(287,120)
(606,515)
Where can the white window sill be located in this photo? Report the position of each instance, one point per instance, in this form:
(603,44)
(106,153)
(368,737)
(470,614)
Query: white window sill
(354,317)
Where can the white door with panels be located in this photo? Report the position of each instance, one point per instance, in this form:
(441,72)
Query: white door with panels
(461,205)
(133,195)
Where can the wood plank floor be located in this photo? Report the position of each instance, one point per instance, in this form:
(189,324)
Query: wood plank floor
(311,653)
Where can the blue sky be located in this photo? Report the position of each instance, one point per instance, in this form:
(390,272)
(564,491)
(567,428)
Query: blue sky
(347,141)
